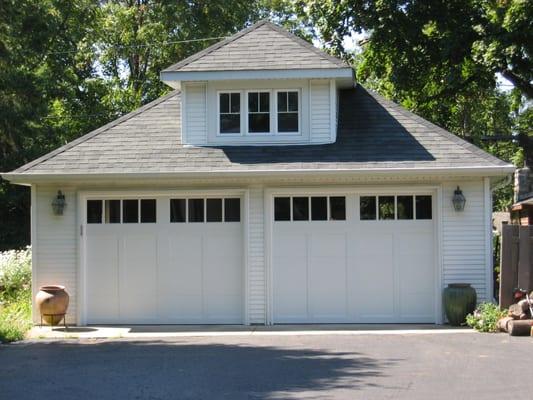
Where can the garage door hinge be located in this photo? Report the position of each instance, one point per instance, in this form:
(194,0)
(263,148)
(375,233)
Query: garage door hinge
(81,230)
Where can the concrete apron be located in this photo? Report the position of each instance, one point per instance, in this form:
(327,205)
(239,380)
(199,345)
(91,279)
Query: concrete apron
(170,331)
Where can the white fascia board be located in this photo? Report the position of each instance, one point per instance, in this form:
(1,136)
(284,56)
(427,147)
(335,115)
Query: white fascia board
(474,171)
(171,77)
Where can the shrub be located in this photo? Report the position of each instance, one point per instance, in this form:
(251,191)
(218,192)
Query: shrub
(485,318)
(15,273)
(15,294)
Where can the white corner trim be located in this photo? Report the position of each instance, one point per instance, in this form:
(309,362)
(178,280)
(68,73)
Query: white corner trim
(332,110)
(439,276)
(487,208)
(34,249)
(246,256)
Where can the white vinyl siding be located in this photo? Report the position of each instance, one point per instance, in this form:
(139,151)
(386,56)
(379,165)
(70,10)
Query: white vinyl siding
(55,247)
(464,238)
(256,259)
(195,120)
(321,106)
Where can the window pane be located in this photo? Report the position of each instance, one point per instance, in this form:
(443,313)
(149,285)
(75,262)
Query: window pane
(319,208)
(386,207)
(282,101)
(214,210)
(94,211)
(337,208)
(264,102)
(224,102)
(177,210)
(405,207)
(196,210)
(259,123)
(282,209)
(148,210)
(130,211)
(253,102)
(300,208)
(288,122)
(230,123)
(367,205)
(423,207)
(235,103)
(112,211)
(293,101)
(232,210)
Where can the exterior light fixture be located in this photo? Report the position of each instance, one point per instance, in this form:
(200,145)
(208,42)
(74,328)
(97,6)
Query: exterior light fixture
(59,203)
(458,200)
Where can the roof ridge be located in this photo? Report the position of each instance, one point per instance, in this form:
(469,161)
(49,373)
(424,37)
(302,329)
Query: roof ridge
(96,132)
(238,35)
(440,130)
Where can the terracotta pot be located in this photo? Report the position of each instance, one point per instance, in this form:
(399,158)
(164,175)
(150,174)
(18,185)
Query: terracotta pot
(52,300)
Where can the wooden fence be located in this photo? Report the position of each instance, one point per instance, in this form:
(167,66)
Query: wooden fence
(516,261)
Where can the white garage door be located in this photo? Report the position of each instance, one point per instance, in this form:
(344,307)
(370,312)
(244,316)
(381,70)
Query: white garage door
(164,260)
(353,258)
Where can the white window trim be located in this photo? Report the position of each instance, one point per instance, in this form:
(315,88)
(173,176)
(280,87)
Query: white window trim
(270,112)
(240,133)
(297,133)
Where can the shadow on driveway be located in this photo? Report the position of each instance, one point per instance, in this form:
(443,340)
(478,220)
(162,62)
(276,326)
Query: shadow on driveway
(178,369)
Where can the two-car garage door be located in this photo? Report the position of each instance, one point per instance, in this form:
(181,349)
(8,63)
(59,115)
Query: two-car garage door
(353,258)
(164,260)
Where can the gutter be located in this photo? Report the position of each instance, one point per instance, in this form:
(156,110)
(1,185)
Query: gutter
(29,178)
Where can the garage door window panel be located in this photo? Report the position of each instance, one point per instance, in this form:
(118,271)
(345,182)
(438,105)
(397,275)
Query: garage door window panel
(282,209)
(232,210)
(405,207)
(94,211)
(130,211)
(300,208)
(214,210)
(148,211)
(337,208)
(319,208)
(386,207)
(196,210)
(424,207)
(178,211)
(367,208)
(112,211)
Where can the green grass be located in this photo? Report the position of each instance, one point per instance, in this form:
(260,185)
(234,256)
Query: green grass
(15,294)
(15,317)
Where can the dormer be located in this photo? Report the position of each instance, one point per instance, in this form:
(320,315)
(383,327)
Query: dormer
(261,86)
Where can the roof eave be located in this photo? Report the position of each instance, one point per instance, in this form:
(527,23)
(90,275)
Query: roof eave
(474,171)
(173,78)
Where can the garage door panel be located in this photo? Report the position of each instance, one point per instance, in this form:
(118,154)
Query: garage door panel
(327,277)
(180,278)
(102,276)
(415,260)
(173,270)
(375,274)
(138,278)
(290,300)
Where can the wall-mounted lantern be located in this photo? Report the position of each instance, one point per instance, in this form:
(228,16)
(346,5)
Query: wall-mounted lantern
(59,203)
(458,200)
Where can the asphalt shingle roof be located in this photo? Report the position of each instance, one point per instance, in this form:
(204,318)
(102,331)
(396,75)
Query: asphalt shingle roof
(373,133)
(262,46)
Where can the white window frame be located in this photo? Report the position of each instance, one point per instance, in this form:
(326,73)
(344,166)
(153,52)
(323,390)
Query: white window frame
(270,109)
(236,134)
(299,92)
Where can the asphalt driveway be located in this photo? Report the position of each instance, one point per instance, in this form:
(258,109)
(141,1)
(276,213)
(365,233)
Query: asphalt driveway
(431,366)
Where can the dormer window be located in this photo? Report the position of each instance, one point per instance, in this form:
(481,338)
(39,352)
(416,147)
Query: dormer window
(230,112)
(288,111)
(258,112)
